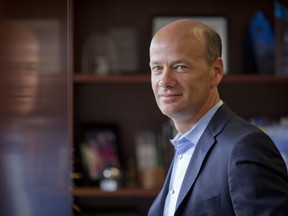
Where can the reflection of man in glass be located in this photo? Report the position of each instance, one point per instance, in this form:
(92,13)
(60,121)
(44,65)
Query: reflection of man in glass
(18,87)
(18,67)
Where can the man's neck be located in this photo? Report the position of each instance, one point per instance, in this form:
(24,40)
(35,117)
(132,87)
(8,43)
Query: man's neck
(188,120)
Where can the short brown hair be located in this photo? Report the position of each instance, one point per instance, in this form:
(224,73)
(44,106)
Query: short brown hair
(213,43)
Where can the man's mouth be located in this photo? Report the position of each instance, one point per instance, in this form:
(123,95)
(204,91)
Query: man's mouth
(169,96)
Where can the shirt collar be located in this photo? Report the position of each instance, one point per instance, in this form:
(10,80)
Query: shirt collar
(194,134)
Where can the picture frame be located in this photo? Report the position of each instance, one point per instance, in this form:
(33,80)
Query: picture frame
(99,149)
(218,23)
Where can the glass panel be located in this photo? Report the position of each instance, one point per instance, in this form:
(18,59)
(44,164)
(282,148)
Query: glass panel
(34,148)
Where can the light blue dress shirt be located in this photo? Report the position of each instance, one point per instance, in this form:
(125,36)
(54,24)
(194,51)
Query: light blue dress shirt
(184,146)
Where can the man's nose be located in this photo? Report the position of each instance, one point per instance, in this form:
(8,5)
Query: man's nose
(167,79)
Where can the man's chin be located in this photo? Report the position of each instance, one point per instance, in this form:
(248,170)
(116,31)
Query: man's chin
(169,113)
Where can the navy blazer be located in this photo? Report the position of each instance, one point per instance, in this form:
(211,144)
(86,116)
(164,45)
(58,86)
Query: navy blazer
(235,170)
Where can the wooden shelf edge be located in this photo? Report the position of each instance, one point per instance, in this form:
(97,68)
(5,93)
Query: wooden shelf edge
(145,78)
(125,192)
(87,78)
(253,79)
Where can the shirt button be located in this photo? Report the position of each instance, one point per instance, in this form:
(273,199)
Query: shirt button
(172,191)
(180,156)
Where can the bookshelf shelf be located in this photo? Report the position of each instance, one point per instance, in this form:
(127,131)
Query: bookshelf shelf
(120,193)
(83,78)
(124,201)
(257,79)
(145,78)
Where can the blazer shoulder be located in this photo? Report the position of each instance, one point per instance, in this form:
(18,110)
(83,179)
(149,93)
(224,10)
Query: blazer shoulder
(225,117)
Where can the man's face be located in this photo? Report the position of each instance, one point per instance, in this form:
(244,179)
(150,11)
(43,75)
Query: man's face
(180,75)
(18,74)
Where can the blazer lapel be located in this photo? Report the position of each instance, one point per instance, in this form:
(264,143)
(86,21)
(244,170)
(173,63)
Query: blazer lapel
(203,146)
(205,143)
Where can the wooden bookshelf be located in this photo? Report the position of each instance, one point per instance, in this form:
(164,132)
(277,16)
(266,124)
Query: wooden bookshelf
(128,99)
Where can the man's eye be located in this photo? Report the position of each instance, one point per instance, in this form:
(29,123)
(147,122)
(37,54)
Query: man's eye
(156,68)
(180,67)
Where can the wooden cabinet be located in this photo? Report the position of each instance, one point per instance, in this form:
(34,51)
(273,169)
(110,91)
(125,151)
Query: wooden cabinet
(127,99)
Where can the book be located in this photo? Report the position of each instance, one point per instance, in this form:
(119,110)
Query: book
(281,46)
(261,39)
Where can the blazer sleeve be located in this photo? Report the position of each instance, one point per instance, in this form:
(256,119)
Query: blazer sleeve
(257,179)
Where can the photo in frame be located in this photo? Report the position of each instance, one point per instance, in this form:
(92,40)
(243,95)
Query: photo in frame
(218,23)
(99,150)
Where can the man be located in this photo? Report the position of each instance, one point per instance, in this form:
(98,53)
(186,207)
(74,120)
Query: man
(223,165)
(19,80)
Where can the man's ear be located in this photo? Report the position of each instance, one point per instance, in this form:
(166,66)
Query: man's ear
(217,71)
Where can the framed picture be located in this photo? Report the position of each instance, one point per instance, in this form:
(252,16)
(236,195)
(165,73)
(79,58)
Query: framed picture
(99,149)
(218,23)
